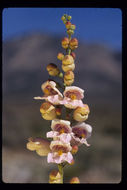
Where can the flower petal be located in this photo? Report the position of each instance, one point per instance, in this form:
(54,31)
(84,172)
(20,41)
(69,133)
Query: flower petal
(42,146)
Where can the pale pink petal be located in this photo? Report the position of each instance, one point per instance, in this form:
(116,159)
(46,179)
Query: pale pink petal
(55,99)
(65,138)
(72,104)
(50,157)
(52,134)
(55,158)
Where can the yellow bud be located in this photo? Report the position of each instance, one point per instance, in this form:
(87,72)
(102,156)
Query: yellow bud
(68,24)
(65,42)
(81,113)
(75,180)
(68,82)
(54,177)
(40,145)
(48,111)
(68,67)
(68,60)
(73,43)
(69,75)
(69,78)
(72,163)
(58,111)
(63,18)
(74,149)
(60,56)
(52,69)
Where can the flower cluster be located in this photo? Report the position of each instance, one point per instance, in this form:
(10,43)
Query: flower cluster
(63,105)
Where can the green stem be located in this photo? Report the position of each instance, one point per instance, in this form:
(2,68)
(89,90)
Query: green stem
(60,167)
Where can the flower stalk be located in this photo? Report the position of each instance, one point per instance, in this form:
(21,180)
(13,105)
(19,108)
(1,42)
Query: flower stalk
(60,167)
(68,131)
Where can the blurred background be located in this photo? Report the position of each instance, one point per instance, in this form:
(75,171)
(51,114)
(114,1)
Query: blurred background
(31,40)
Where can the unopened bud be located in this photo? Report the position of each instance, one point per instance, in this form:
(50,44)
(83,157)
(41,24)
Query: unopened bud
(72,162)
(68,24)
(65,43)
(69,78)
(75,180)
(60,56)
(74,149)
(73,43)
(70,31)
(68,60)
(48,111)
(58,111)
(63,18)
(53,69)
(73,55)
(69,17)
(73,27)
(54,175)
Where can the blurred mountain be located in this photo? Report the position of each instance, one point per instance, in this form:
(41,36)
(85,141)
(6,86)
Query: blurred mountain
(98,68)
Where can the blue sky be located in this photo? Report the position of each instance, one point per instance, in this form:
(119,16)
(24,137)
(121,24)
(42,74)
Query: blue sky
(98,25)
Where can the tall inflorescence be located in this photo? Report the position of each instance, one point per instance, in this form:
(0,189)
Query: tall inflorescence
(63,105)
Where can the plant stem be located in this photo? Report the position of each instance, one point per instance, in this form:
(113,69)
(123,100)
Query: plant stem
(60,167)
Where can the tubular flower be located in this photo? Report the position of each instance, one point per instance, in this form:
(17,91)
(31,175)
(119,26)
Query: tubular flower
(81,113)
(40,145)
(81,132)
(54,177)
(65,42)
(73,96)
(48,111)
(61,130)
(68,63)
(53,69)
(73,44)
(60,152)
(69,78)
(51,93)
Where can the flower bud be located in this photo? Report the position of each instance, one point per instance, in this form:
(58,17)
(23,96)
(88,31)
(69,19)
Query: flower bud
(53,69)
(72,163)
(68,67)
(63,18)
(67,60)
(69,17)
(73,43)
(81,113)
(69,78)
(73,26)
(54,177)
(70,31)
(73,55)
(40,145)
(60,56)
(74,149)
(48,111)
(68,24)
(65,43)
(75,180)
(58,111)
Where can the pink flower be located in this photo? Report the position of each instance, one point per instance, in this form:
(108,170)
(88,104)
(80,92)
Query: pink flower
(80,133)
(51,93)
(60,153)
(73,96)
(61,130)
